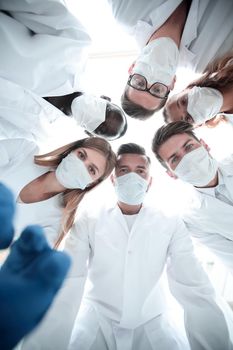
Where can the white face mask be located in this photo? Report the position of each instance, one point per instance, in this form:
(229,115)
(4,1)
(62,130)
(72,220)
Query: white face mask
(72,173)
(197,167)
(158,61)
(204,103)
(131,188)
(89,111)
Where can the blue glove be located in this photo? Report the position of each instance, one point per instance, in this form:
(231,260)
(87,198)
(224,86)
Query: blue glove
(29,280)
(7,210)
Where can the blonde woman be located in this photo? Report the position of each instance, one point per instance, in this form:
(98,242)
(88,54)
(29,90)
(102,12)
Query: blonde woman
(48,188)
(207,99)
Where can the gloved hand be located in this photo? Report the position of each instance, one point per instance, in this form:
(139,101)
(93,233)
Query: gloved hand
(7,210)
(29,278)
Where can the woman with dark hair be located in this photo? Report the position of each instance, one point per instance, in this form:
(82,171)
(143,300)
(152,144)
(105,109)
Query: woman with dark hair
(206,100)
(25,114)
(54,183)
(97,115)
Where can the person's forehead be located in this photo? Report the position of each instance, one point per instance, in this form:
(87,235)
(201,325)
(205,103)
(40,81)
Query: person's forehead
(129,159)
(92,153)
(143,98)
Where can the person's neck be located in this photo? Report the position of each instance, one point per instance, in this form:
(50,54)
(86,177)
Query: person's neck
(174,25)
(127,209)
(51,184)
(212,183)
(41,188)
(63,102)
(227,105)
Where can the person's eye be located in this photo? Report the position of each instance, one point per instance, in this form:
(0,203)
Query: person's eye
(140,171)
(174,160)
(123,171)
(188,119)
(184,101)
(158,89)
(140,83)
(92,170)
(81,155)
(189,147)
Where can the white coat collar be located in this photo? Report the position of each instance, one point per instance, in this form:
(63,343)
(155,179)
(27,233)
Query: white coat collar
(225,170)
(191,24)
(144,29)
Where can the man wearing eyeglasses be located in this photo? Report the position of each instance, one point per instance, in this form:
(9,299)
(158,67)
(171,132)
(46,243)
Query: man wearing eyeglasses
(170,34)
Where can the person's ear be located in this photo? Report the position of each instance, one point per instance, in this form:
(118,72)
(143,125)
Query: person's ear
(204,145)
(171,174)
(112,178)
(173,83)
(130,70)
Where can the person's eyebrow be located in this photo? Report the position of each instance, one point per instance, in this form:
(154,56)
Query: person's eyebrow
(141,167)
(121,166)
(183,146)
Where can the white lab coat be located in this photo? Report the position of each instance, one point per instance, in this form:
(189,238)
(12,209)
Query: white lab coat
(17,169)
(210,220)
(43,46)
(208,30)
(24,114)
(124,296)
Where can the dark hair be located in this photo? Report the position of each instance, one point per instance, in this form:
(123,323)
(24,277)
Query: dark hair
(165,132)
(115,124)
(63,102)
(132,148)
(136,111)
(217,74)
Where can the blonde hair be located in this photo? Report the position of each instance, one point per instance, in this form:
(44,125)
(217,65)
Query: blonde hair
(218,74)
(72,197)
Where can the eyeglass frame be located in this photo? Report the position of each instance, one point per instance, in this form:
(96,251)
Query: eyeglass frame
(148,89)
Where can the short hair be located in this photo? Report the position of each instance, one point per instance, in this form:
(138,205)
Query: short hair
(132,148)
(166,131)
(136,111)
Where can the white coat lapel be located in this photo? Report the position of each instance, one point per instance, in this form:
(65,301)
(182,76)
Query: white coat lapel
(213,216)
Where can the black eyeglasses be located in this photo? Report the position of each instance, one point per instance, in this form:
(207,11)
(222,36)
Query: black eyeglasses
(139,82)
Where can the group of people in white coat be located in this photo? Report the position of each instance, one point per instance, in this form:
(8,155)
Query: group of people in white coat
(120,250)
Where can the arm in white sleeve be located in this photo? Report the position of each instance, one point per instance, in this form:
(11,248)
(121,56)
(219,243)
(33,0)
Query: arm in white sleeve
(44,17)
(221,246)
(25,110)
(12,149)
(47,42)
(55,331)
(205,323)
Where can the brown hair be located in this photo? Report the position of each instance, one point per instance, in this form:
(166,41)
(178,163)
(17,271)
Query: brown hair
(166,131)
(72,197)
(136,111)
(217,74)
(132,148)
